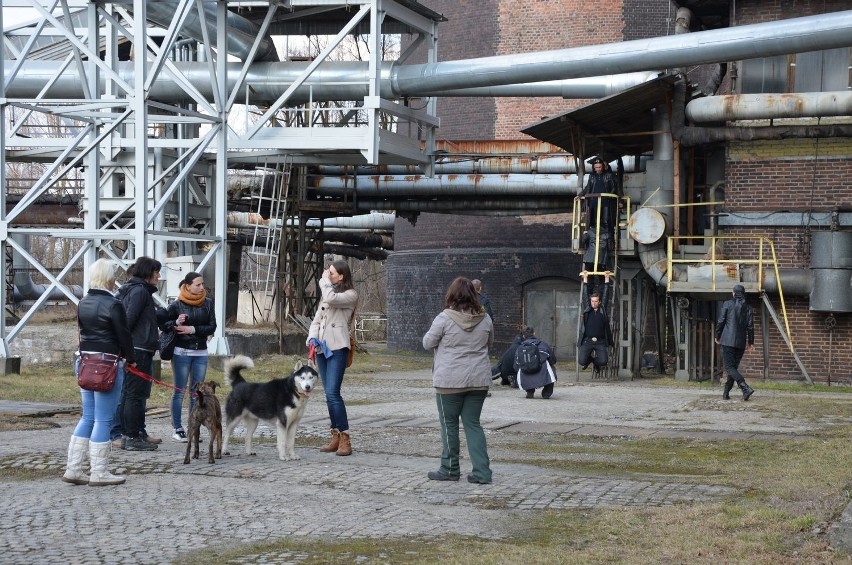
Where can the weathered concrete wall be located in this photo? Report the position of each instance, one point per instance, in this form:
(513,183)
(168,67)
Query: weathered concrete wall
(39,345)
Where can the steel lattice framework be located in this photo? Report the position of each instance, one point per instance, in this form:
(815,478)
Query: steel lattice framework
(154,169)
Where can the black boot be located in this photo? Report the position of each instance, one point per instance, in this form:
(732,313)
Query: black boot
(729,384)
(747,390)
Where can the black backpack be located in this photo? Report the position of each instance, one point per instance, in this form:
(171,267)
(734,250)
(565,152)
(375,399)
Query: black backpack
(527,358)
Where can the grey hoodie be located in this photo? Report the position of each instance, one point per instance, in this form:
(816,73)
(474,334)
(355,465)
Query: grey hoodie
(460,342)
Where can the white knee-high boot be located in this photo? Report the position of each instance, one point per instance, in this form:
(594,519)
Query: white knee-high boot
(99,457)
(78,447)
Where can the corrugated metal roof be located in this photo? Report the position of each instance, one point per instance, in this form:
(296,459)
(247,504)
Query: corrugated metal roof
(620,124)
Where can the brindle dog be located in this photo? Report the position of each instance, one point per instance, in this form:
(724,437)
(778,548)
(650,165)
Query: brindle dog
(207,412)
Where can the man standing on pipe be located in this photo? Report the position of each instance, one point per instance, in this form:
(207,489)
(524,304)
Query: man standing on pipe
(735,332)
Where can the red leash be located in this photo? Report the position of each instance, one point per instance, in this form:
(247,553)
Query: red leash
(147,377)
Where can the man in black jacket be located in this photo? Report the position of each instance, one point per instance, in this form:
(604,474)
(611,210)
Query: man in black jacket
(735,332)
(137,296)
(599,235)
(595,332)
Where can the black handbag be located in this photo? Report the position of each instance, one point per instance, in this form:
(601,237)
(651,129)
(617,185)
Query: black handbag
(167,344)
(97,371)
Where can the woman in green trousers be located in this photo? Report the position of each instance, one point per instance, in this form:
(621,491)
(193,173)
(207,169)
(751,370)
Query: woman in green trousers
(461,373)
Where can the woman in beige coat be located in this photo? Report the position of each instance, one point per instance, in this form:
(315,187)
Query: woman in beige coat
(329,334)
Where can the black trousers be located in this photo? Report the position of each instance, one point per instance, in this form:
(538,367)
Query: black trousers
(731,357)
(135,394)
(584,357)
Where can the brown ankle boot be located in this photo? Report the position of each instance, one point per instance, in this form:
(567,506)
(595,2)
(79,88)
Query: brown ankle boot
(345,447)
(332,446)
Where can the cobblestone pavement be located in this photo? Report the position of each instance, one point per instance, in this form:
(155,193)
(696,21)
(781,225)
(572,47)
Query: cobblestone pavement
(167,509)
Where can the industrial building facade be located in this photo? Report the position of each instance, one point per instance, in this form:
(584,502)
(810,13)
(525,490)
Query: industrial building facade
(785,183)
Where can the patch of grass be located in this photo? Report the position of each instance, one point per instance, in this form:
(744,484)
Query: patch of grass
(57,384)
(700,533)
(781,506)
(12,423)
(20,474)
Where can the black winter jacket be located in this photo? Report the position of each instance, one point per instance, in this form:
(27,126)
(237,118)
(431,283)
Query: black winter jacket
(203,318)
(103,325)
(137,297)
(587,307)
(735,326)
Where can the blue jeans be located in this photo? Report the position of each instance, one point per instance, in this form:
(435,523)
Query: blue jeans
(184,366)
(331,372)
(99,409)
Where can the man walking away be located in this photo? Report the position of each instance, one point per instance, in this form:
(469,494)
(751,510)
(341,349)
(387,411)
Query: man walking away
(735,332)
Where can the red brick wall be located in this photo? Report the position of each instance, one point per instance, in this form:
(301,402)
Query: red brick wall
(792,175)
(756,11)
(469,32)
(495,27)
(546,25)
(811,340)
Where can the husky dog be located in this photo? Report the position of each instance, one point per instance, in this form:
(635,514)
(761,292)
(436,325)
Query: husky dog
(281,400)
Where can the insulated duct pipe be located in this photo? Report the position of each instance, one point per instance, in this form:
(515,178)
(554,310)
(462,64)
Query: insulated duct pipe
(449,185)
(480,207)
(241,32)
(459,165)
(812,33)
(267,81)
(377,221)
(795,35)
(691,136)
(769,106)
(24,287)
(659,191)
(794,282)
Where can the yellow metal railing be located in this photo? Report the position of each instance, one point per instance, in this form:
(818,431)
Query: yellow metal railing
(766,259)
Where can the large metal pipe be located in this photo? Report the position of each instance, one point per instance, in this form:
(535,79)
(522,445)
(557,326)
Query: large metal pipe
(795,35)
(588,87)
(241,32)
(451,165)
(484,206)
(769,106)
(267,81)
(24,286)
(375,221)
(451,185)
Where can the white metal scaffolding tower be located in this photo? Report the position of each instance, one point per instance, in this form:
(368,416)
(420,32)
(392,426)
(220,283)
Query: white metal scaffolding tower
(146,106)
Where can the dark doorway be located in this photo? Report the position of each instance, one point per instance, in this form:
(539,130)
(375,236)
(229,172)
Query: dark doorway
(551,307)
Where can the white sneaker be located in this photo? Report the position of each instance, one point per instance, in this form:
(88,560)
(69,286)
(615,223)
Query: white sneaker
(179,435)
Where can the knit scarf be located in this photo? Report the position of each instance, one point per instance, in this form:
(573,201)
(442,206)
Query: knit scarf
(192,299)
